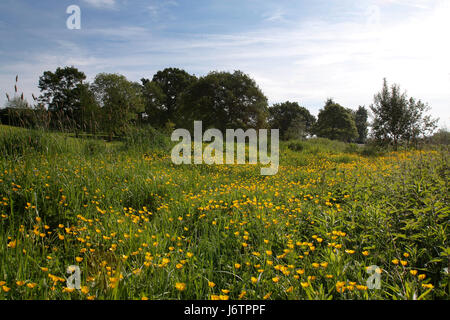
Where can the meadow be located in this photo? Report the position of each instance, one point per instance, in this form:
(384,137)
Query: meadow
(140,227)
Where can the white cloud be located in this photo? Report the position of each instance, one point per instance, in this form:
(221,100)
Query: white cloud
(101,3)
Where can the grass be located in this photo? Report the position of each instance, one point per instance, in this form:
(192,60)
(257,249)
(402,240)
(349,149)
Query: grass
(140,227)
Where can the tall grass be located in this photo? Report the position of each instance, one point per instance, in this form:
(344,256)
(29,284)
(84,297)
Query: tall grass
(137,225)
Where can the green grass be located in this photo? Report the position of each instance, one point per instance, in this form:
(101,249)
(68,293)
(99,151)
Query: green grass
(141,224)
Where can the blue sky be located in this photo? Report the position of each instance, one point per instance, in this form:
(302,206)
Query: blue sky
(305,51)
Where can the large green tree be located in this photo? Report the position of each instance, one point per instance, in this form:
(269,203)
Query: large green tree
(225,100)
(335,122)
(361,116)
(120,101)
(154,103)
(60,91)
(172,82)
(398,118)
(292,120)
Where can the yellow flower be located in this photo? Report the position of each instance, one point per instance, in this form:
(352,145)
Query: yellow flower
(395,261)
(5,288)
(427,285)
(44,269)
(290,289)
(275,279)
(211,284)
(79,259)
(68,289)
(215,297)
(242,294)
(31,285)
(180,286)
(267,296)
(189,254)
(20,283)
(350,251)
(269,252)
(404,263)
(406,254)
(304,284)
(365,253)
(84,289)
(144,298)
(254,280)
(422,276)
(12,244)
(413,272)
(237,265)
(223,297)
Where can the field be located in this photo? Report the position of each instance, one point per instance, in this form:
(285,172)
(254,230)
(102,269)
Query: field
(139,227)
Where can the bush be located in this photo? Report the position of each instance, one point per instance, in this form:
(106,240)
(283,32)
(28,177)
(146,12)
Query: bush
(296,146)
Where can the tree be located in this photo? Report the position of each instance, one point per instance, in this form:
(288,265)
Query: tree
(154,99)
(292,120)
(172,82)
(398,118)
(119,99)
(89,110)
(361,116)
(335,122)
(225,100)
(61,92)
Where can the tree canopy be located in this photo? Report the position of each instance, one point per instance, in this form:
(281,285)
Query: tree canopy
(335,122)
(291,119)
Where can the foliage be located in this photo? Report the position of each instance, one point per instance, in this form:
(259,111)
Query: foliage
(398,118)
(335,122)
(292,120)
(224,100)
(140,227)
(119,99)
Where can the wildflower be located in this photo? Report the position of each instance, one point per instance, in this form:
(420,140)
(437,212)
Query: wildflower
(365,253)
(304,284)
(275,279)
(180,286)
(395,261)
(31,285)
(403,262)
(427,285)
(254,280)
(237,265)
(211,284)
(12,244)
(79,259)
(413,272)
(422,276)
(5,288)
(242,294)
(20,283)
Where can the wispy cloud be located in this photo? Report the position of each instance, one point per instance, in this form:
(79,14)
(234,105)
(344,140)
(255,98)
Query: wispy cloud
(111,4)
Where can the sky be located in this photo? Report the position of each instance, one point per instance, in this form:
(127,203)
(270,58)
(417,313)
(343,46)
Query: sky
(296,50)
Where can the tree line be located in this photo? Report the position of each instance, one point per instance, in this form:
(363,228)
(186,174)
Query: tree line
(174,98)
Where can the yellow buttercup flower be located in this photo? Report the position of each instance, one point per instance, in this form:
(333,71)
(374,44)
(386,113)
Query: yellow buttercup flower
(180,286)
